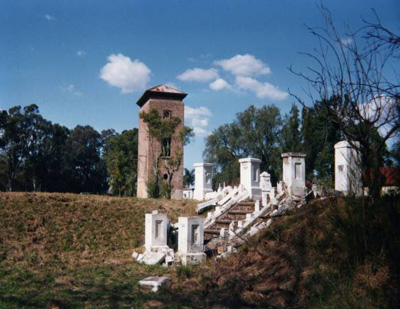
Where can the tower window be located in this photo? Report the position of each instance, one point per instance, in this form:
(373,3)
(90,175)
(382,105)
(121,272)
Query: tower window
(167,114)
(166,147)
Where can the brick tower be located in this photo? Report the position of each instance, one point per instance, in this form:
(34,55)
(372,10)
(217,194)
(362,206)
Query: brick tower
(168,102)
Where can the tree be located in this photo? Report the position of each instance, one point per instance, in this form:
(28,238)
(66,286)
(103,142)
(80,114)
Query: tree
(85,170)
(19,138)
(188,178)
(291,134)
(320,134)
(120,155)
(356,86)
(255,132)
(164,133)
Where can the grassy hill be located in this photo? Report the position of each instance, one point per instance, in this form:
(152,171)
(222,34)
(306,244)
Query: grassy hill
(69,251)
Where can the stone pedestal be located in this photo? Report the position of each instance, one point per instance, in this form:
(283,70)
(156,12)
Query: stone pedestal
(348,170)
(250,176)
(191,240)
(294,173)
(266,187)
(156,229)
(203,180)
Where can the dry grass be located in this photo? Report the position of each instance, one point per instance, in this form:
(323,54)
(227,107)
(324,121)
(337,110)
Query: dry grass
(67,250)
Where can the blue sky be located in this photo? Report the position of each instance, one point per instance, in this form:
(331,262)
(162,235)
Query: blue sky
(87,62)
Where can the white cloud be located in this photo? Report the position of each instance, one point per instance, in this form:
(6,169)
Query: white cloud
(220,84)
(71,89)
(128,75)
(49,17)
(198,75)
(380,110)
(244,65)
(198,118)
(80,53)
(262,90)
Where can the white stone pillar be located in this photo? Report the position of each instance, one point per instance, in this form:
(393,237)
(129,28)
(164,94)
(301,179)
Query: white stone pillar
(348,169)
(250,176)
(156,229)
(266,187)
(294,173)
(191,240)
(203,180)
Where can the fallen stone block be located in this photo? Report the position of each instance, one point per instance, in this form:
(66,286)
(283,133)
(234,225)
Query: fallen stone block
(153,258)
(154,282)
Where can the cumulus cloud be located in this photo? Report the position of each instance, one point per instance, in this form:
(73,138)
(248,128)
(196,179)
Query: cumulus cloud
(220,84)
(80,53)
(244,65)
(198,75)
(123,73)
(198,118)
(262,90)
(49,17)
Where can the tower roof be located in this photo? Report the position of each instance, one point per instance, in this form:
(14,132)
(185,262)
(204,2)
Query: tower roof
(161,92)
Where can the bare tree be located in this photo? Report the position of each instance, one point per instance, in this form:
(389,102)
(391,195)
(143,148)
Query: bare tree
(356,79)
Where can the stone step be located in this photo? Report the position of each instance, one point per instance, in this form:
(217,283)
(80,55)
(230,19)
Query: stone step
(247,203)
(244,207)
(212,231)
(223,221)
(240,212)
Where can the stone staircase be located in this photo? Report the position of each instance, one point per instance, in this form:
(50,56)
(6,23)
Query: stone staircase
(235,214)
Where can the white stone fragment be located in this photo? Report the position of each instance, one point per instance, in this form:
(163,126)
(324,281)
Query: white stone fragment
(153,258)
(154,282)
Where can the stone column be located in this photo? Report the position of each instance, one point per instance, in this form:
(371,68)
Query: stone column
(250,176)
(348,170)
(266,187)
(294,173)
(156,229)
(191,240)
(203,180)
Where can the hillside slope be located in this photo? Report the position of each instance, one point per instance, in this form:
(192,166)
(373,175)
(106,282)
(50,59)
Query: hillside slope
(68,250)
(72,251)
(331,253)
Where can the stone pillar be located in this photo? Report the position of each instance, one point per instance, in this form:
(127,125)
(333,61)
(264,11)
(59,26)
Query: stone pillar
(156,229)
(294,173)
(191,240)
(266,187)
(348,170)
(250,176)
(203,180)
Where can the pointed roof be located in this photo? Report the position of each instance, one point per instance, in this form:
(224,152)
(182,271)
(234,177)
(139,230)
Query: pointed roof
(161,92)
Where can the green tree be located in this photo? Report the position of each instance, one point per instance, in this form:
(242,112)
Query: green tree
(291,134)
(120,155)
(320,134)
(255,132)
(188,178)
(19,138)
(85,170)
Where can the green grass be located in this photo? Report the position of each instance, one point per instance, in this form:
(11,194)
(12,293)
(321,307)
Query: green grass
(71,251)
